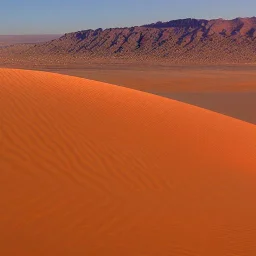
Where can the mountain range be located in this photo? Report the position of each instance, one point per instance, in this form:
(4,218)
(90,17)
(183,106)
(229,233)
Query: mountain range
(177,41)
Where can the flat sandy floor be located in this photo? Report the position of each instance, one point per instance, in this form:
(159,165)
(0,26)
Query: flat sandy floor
(230,89)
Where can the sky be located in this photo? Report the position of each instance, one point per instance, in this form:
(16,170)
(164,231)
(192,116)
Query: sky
(61,16)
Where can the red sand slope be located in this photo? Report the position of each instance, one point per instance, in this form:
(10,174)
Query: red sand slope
(93,169)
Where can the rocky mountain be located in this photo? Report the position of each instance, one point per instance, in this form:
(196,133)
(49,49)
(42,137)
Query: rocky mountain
(178,41)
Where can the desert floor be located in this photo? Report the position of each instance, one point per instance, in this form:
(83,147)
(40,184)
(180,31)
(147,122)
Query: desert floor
(89,168)
(228,89)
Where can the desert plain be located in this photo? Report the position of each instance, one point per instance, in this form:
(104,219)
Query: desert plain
(226,89)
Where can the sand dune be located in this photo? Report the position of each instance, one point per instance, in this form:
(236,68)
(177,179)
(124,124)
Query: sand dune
(89,168)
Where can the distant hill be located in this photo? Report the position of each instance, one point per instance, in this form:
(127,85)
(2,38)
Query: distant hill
(177,41)
(25,39)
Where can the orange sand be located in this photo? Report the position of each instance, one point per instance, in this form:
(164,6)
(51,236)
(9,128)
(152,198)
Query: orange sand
(89,168)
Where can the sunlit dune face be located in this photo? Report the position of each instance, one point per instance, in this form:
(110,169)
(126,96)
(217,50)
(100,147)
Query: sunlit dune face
(89,168)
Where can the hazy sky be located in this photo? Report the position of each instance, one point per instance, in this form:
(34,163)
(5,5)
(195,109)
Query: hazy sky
(60,16)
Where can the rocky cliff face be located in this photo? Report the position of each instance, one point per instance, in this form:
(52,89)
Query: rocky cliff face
(186,40)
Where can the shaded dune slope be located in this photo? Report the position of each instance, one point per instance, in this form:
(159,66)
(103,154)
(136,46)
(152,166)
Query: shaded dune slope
(89,168)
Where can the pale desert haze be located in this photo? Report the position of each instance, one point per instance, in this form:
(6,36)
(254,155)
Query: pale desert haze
(90,168)
(7,40)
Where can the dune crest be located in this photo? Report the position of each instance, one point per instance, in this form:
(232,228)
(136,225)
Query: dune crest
(89,168)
